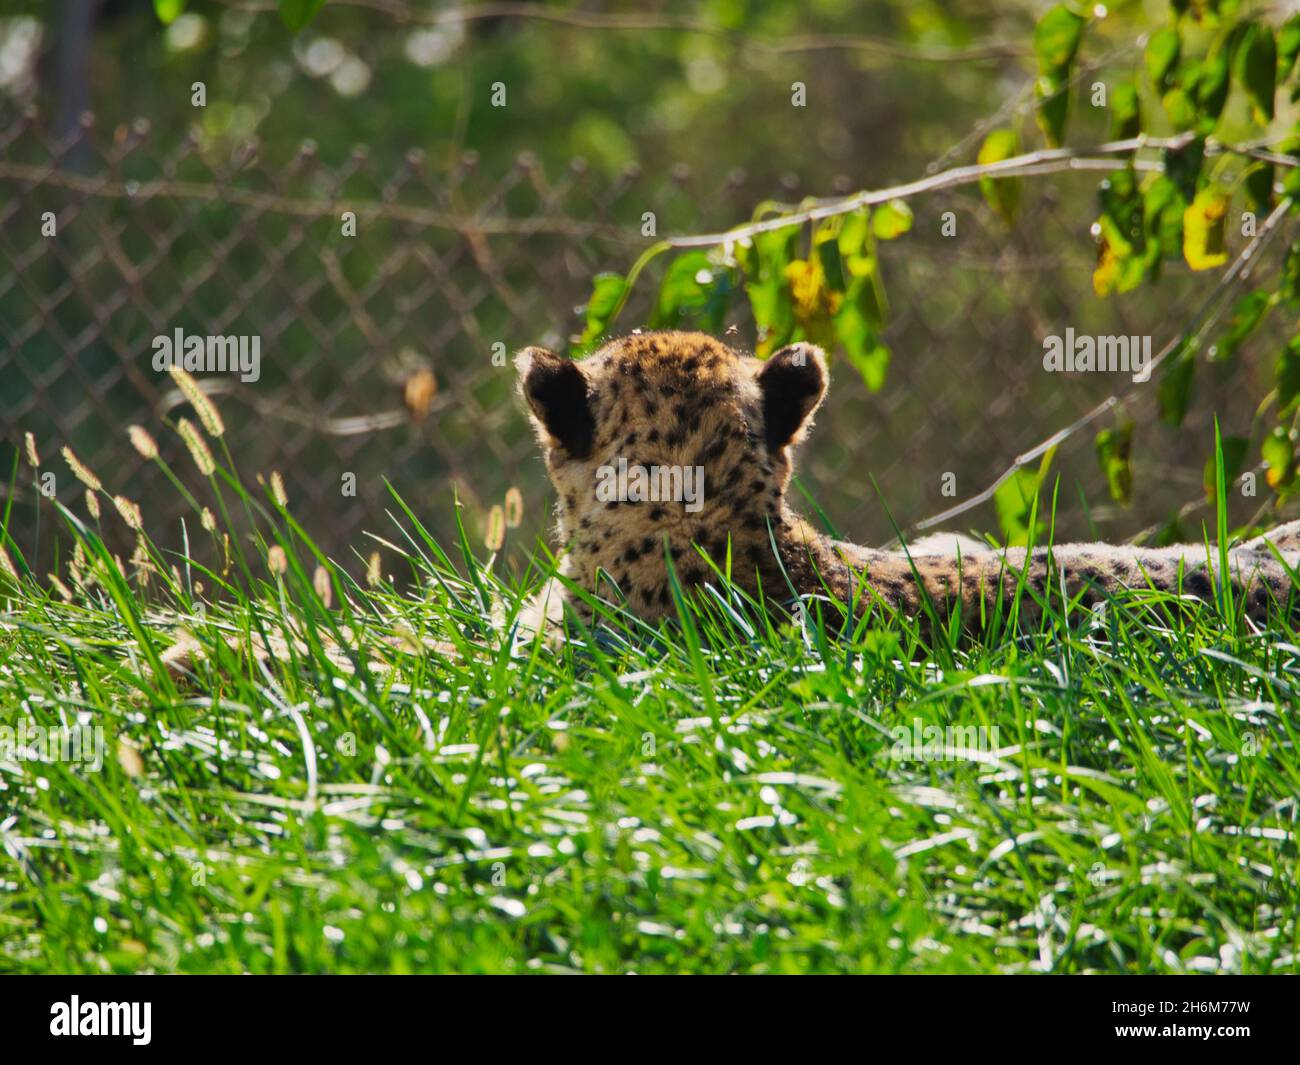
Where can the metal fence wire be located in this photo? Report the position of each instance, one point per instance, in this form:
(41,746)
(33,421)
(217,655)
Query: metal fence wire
(383,353)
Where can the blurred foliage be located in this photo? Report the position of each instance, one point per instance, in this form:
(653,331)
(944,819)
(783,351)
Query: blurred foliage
(714,83)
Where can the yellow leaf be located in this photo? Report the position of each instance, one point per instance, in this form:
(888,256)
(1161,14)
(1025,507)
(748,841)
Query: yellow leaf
(1203,222)
(1105,278)
(1002,194)
(813,300)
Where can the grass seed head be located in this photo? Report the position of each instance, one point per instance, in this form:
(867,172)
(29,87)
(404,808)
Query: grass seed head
(129,759)
(81,472)
(496,528)
(203,407)
(321,582)
(514,507)
(142,442)
(198,449)
(130,512)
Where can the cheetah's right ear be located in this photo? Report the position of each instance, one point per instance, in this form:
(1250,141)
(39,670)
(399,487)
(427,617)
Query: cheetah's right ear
(793,383)
(555,389)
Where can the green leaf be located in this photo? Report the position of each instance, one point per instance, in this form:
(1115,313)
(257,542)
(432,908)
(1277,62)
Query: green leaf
(1234,457)
(1291,186)
(764,262)
(1289,289)
(891,220)
(1288,47)
(857,247)
(865,298)
(1180,106)
(1183,166)
(1125,111)
(1056,39)
(1256,63)
(1203,226)
(1212,87)
(1114,454)
(168,10)
(1119,266)
(1053,96)
(693,288)
(1162,213)
(1259,187)
(1002,194)
(297,13)
(1287,377)
(607,291)
(858,335)
(1056,42)
(1175,391)
(1014,501)
(1278,453)
(1162,56)
(1251,309)
(828,254)
(1122,256)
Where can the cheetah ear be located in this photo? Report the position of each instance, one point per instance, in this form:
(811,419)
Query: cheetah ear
(555,389)
(793,382)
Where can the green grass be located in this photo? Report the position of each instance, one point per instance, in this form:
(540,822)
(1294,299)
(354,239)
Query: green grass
(716,795)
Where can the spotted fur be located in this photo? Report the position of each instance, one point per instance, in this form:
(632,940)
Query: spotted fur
(688,400)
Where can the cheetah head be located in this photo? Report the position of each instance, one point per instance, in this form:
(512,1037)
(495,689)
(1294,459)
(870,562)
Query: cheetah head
(669,440)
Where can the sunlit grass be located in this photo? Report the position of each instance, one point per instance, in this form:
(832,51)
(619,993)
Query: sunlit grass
(408,781)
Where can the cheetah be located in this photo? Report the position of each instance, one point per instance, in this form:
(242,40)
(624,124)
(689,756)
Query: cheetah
(679,401)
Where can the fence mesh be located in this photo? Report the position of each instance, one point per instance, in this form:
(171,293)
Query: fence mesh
(382,353)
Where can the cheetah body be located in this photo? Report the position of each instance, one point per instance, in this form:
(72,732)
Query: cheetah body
(686,401)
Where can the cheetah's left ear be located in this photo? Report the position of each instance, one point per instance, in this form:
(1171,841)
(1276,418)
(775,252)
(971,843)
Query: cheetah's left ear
(555,389)
(793,382)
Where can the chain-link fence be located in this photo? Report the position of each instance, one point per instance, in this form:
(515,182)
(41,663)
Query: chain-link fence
(384,344)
